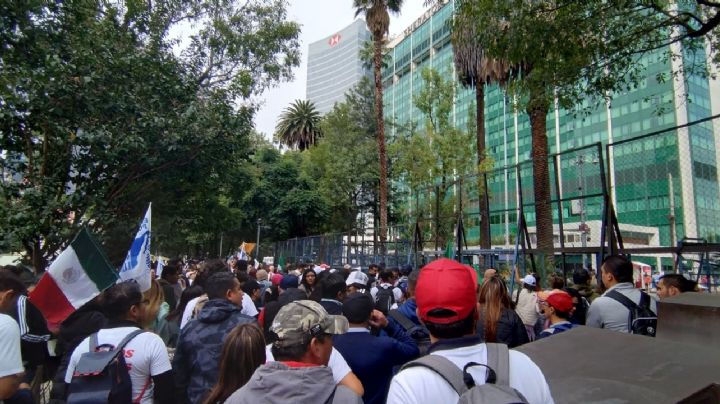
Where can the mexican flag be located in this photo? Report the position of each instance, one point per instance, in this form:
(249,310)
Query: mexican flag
(76,276)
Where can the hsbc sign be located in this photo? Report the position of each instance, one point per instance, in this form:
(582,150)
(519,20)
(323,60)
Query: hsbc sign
(334,40)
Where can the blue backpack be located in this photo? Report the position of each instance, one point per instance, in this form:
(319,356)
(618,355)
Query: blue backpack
(101,375)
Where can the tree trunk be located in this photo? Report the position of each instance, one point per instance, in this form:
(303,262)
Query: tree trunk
(541,180)
(485,241)
(381,144)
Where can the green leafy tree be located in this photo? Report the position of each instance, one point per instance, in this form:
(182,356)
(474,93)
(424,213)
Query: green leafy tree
(377,17)
(299,125)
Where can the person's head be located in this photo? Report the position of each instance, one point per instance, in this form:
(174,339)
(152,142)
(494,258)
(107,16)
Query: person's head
(557,306)
(124,301)
(308,278)
(261,275)
(489,273)
(357,308)
(333,287)
(208,268)
(224,285)
(188,294)
(302,332)
(171,273)
(395,273)
(446,299)
(616,269)
(154,297)
(412,283)
(242,266)
(242,353)
(289,282)
(252,288)
(373,269)
(493,299)
(581,277)
(556,281)
(387,276)
(356,282)
(10,288)
(530,282)
(673,285)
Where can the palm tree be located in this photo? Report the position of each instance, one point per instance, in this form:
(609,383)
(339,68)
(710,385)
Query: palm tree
(377,17)
(299,125)
(475,69)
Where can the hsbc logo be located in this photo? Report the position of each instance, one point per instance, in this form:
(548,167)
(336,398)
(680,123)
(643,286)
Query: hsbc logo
(334,40)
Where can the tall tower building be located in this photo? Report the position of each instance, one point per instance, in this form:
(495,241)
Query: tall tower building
(334,65)
(672,174)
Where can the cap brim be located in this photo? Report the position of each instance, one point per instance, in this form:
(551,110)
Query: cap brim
(336,325)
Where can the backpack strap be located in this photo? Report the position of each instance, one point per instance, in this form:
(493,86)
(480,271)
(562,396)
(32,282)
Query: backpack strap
(498,359)
(127,339)
(621,298)
(93,342)
(402,319)
(645,301)
(444,368)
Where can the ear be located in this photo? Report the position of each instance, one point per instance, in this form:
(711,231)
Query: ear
(228,294)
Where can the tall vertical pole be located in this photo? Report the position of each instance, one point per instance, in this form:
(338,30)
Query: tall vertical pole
(257,241)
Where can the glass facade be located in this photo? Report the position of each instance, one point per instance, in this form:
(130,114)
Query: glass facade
(641,171)
(334,65)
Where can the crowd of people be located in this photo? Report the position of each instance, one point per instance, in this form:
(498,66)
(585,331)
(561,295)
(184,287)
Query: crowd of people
(222,331)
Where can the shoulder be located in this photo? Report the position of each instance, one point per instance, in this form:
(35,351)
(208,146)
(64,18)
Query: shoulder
(8,326)
(344,395)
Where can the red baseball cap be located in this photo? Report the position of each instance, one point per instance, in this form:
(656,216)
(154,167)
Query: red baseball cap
(446,284)
(561,301)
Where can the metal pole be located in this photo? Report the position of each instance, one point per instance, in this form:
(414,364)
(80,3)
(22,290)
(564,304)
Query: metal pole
(671,216)
(257,241)
(221,243)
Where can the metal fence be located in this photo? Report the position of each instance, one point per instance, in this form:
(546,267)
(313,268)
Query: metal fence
(641,196)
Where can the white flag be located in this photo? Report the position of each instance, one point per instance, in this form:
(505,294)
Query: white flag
(160,266)
(137,262)
(242,255)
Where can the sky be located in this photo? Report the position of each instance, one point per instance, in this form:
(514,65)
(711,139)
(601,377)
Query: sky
(318,19)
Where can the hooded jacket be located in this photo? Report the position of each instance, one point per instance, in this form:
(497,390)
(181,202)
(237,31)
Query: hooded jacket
(197,356)
(278,383)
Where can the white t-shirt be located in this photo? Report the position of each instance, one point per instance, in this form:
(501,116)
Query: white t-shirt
(10,361)
(337,363)
(248,308)
(145,355)
(421,385)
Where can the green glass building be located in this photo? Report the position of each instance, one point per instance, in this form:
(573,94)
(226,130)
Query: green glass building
(642,173)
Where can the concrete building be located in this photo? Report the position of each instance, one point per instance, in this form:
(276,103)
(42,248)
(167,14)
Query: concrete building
(673,172)
(334,65)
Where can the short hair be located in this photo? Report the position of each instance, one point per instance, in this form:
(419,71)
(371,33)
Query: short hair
(218,284)
(294,352)
(581,276)
(557,281)
(331,285)
(413,278)
(455,329)
(620,267)
(169,270)
(119,298)
(386,275)
(10,281)
(209,268)
(682,283)
(376,266)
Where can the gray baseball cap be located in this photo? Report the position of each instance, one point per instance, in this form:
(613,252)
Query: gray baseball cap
(299,321)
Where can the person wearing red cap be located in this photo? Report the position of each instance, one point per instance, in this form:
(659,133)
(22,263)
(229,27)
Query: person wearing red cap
(557,308)
(447,304)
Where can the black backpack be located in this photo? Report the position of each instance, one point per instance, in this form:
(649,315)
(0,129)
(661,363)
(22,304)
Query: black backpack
(384,299)
(101,376)
(496,390)
(641,320)
(418,333)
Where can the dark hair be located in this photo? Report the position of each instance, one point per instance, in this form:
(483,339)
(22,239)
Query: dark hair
(209,268)
(494,298)
(455,329)
(10,281)
(250,286)
(386,275)
(218,284)
(242,353)
(242,277)
(119,298)
(187,295)
(309,288)
(294,352)
(412,280)
(581,277)
(376,266)
(241,266)
(620,267)
(556,281)
(682,283)
(169,270)
(331,285)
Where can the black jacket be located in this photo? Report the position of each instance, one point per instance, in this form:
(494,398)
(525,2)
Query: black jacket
(510,329)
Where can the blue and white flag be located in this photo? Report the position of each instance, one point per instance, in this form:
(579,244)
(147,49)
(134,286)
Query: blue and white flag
(137,262)
(242,255)
(160,266)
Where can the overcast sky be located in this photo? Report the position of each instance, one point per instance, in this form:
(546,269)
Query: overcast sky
(318,19)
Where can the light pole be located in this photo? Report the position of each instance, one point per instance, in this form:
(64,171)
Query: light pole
(257,242)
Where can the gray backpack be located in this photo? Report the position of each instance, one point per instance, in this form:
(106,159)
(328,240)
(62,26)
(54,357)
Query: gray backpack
(497,382)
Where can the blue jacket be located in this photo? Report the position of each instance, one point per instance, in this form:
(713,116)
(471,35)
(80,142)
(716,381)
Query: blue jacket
(197,355)
(372,358)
